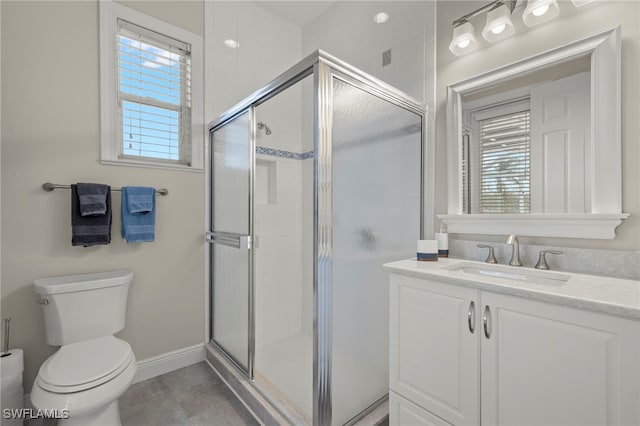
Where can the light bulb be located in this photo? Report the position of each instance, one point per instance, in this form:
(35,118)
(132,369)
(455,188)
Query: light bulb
(498,28)
(498,25)
(463,40)
(380,18)
(231,44)
(540,10)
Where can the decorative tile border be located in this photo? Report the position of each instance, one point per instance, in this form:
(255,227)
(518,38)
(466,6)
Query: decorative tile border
(283,154)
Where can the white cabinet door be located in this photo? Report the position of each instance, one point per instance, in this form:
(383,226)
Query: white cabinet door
(434,360)
(403,412)
(546,364)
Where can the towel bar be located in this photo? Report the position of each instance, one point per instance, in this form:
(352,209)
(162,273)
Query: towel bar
(48,186)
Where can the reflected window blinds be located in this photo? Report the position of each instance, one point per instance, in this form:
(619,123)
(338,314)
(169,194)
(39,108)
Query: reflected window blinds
(505,165)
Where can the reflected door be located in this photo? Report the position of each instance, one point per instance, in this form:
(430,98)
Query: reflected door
(230,236)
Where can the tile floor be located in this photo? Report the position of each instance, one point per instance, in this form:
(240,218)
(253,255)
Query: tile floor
(190,396)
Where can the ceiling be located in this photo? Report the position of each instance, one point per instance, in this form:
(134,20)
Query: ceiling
(299,12)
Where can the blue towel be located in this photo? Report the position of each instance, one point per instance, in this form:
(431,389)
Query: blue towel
(89,230)
(138,214)
(92,198)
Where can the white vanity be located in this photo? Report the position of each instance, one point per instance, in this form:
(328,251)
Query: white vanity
(479,344)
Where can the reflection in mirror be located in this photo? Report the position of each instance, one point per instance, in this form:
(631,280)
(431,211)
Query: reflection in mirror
(525,142)
(535,148)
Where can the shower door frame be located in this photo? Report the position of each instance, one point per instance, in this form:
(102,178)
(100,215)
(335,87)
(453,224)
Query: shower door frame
(324,68)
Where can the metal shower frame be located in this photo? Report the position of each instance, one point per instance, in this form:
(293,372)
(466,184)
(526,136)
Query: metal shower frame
(324,68)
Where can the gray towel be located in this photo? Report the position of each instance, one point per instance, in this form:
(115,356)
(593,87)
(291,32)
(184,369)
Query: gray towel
(89,230)
(93,198)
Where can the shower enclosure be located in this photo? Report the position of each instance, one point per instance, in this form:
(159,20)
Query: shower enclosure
(316,181)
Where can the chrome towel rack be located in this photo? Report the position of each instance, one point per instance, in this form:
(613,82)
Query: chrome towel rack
(48,186)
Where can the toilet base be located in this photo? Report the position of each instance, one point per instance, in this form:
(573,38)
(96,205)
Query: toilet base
(109,416)
(90,407)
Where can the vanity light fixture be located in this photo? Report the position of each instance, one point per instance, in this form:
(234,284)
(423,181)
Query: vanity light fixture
(539,11)
(464,40)
(499,25)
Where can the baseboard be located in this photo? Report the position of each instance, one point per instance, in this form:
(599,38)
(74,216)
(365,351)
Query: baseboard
(161,364)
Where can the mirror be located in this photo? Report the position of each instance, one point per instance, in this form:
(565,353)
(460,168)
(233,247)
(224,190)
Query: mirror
(525,142)
(534,147)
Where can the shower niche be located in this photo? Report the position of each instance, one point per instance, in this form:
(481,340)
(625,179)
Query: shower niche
(266,184)
(316,181)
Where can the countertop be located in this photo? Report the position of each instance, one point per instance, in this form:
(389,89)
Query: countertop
(595,293)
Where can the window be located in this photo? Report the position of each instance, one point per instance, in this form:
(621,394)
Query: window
(154,104)
(151,85)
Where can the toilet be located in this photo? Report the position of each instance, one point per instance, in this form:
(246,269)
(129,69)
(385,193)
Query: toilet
(92,368)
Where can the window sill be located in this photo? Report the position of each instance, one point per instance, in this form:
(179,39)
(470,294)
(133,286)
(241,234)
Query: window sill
(597,226)
(152,165)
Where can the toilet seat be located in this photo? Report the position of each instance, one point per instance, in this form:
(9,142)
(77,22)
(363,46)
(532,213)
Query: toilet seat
(84,365)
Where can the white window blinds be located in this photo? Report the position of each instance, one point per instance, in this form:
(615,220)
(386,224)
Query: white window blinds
(504,163)
(154,94)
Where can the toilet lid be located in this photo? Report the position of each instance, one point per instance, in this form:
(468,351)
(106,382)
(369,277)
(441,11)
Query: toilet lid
(85,364)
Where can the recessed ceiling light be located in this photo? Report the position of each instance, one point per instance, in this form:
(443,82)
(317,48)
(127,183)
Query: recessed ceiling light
(380,18)
(232,44)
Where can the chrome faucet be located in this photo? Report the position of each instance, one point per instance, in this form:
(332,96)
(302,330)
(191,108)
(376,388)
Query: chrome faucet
(542,260)
(515,254)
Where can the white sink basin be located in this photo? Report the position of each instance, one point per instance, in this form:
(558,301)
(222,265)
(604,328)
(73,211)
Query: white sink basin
(511,273)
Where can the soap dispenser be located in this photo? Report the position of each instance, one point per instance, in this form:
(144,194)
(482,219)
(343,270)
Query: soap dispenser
(443,241)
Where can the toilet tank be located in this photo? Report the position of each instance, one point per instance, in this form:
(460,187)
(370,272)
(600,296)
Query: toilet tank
(81,307)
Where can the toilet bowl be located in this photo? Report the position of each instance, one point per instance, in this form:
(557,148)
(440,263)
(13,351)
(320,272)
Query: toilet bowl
(83,380)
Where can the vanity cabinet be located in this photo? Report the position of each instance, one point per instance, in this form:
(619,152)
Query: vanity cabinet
(476,357)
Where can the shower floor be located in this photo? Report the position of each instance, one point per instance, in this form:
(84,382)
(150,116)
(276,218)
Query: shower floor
(284,369)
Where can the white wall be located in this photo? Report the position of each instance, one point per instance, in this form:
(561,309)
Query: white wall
(347,30)
(51,133)
(269,45)
(572,24)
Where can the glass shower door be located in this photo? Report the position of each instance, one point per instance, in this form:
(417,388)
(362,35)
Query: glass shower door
(230,236)
(376,158)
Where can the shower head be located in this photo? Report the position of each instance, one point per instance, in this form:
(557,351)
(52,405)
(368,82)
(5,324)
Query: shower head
(267,130)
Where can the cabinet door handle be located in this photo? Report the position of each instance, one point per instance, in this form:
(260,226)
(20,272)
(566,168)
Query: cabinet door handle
(486,321)
(471,317)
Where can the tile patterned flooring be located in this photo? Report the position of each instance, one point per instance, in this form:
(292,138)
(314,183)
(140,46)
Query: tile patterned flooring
(190,396)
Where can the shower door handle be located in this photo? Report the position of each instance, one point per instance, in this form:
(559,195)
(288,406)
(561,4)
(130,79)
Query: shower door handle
(229,239)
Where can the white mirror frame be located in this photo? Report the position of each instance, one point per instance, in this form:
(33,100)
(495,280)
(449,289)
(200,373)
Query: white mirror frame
(606,148)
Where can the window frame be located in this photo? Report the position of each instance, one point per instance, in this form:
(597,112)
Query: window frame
(110,128)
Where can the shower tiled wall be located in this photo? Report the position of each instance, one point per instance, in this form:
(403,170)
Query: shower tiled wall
(282,158)
(278,251)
